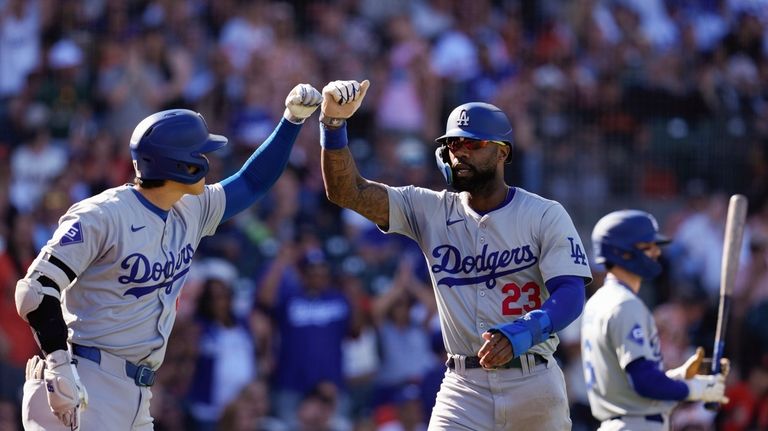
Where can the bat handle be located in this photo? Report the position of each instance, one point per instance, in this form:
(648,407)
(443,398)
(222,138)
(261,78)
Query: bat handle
(716,368)
(716,356)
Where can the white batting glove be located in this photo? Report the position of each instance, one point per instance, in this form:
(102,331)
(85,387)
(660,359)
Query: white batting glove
(341,99)
(34,369)
(707,388)
(66,394)
(301,102)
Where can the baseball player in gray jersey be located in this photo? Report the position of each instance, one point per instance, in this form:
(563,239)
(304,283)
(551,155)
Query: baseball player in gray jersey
(620,343)
(507,266)
(101,295)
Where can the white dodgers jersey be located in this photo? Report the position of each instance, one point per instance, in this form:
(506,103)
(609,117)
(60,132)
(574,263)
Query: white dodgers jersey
(488,269)
(616,329)
(130,266)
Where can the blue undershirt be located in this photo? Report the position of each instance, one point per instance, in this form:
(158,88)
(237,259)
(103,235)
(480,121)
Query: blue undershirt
(261,170)
(650,382)
(566,300)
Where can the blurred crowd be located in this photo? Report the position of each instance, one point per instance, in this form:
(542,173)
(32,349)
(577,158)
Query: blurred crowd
(301,316)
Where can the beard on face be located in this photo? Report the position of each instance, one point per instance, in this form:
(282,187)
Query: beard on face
(476,182)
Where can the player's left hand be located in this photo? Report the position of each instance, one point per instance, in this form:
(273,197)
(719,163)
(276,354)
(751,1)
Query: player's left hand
(301,102)
(690,368)
(66,394)
(341,100)
(496,351)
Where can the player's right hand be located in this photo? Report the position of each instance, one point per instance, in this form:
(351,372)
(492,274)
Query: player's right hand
(341,99)
(495,351)
(66,394)
(709,388)
(301,102)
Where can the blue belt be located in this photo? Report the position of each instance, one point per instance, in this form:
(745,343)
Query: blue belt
(141,374)
(652,418)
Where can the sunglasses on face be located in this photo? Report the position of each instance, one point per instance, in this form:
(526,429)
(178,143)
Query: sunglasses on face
(455,144)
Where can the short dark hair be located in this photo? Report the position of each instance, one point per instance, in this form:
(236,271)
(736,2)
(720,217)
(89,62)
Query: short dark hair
(148,184)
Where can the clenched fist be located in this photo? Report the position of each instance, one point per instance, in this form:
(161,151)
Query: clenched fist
(301,102)
(340,101)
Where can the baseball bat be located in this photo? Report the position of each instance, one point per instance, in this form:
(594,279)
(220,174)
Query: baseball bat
(734,234)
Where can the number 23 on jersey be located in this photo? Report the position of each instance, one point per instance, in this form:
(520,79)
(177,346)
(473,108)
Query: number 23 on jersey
(520,300)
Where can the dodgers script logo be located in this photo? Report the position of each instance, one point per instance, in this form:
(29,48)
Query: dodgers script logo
(141,270)
(450,260)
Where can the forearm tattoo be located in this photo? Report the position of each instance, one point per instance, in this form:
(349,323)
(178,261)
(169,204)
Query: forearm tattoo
(345,187)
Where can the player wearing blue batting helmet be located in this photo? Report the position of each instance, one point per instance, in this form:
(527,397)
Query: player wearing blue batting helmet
(473,121)
(170,145)
(478,120)
(615,238)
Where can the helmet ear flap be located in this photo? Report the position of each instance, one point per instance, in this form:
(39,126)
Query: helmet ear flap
(444,163)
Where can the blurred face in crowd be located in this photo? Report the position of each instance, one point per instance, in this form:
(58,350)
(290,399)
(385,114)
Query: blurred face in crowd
(316,276)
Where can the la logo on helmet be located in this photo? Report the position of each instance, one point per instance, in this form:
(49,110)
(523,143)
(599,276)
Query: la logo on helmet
(463,119)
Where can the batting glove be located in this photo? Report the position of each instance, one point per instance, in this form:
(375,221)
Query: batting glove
(340,101)
(707,388)
(66,394)
(34,370)
(301,102)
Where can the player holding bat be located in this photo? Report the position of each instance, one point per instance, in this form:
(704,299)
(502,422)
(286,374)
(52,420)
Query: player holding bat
(620,342)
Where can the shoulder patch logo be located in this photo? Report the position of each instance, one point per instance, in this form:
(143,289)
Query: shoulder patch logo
(577,254)
(73,235)
(636,335)
(463,119)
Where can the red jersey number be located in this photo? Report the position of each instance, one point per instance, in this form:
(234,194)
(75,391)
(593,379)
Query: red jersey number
(510,306)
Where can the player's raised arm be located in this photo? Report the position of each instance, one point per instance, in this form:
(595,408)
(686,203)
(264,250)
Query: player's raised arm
(268,162)
(344,185)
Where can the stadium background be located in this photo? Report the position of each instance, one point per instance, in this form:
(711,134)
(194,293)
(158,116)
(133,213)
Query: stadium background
(660,105)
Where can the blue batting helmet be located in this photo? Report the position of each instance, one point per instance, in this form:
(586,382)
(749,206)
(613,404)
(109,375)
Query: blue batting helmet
(474,120)
(166,144)
(615,236)
(477,120)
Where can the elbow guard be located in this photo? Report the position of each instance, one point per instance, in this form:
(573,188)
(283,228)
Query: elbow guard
(29,295)
(47,275)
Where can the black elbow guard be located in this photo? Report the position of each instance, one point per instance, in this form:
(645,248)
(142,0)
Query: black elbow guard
(47,321)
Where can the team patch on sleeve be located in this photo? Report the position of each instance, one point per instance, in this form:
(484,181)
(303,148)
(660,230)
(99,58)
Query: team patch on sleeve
(73,235)
(577,253)
(636,334)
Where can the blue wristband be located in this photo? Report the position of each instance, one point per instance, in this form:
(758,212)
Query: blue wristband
(527,331)
(333,139)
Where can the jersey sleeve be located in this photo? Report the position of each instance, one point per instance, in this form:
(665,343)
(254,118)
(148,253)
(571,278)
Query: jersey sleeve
(562,252)
(81,237)
(409,207)
(629,333)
